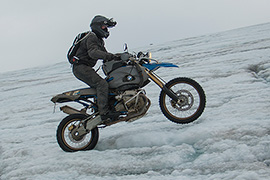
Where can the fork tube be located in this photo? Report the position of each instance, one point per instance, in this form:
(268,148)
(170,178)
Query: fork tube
(168,91)
(155,78)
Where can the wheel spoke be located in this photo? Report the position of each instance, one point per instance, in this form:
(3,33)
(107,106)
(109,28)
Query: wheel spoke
(75,142)
(69,139)
(189,101)
(190,104)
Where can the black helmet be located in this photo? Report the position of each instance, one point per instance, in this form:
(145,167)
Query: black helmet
(100,25)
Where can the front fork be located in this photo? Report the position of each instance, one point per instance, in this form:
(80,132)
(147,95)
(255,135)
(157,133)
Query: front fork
(161,84)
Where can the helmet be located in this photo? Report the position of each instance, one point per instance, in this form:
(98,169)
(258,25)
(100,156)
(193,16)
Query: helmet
(100,25)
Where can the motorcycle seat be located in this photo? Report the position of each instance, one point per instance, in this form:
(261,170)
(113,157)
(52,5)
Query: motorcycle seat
(74,95)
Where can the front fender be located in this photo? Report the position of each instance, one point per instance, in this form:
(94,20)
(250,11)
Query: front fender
(154,66)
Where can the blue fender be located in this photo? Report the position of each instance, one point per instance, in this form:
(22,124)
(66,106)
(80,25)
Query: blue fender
(154,66)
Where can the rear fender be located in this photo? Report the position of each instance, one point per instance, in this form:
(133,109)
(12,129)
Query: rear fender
(74,95)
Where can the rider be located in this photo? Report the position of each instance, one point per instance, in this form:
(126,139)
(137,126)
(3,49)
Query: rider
(92,49)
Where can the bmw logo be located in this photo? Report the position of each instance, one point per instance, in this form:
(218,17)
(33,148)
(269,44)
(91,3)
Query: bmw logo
(129,78)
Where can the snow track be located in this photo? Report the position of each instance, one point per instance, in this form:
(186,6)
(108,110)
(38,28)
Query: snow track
(231,140)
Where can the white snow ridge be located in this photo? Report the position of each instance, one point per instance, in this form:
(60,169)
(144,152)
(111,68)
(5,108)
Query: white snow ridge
(231,140)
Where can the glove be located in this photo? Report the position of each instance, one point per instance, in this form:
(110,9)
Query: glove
(109,57)
(117,57)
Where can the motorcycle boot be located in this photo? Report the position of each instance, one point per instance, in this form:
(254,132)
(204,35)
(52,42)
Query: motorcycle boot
(110,116)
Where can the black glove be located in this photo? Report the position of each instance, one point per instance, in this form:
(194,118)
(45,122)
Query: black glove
(117,57)
(109,57)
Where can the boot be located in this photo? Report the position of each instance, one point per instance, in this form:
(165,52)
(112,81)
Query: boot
(110,116)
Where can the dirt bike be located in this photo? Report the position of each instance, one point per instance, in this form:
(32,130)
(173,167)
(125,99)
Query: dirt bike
(182,100)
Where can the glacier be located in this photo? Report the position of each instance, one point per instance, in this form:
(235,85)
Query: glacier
(231,140)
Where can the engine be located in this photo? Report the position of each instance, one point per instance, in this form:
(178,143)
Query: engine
(134,102)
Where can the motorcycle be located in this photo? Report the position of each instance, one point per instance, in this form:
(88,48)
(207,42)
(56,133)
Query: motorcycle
(182,100)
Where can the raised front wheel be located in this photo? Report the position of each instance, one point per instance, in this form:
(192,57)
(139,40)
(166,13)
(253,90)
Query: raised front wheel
(190,104)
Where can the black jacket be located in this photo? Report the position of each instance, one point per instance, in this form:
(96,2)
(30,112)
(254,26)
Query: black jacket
(92,49)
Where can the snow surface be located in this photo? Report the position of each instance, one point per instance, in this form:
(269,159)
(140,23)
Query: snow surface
(231,140)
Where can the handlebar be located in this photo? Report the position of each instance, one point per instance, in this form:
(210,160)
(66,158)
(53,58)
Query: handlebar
(140,58)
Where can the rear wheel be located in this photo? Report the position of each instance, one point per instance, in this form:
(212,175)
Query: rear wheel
(66,134)
(191,101)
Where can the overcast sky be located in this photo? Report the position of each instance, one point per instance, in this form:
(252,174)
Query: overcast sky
(39,32)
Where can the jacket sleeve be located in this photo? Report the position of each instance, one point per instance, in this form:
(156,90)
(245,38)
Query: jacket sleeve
(96,49)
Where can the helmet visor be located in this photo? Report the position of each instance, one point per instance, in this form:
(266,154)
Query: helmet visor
(110,23)
(104,28)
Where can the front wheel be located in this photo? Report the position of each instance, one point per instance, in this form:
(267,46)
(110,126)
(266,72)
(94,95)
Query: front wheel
(66,135)
(191,101)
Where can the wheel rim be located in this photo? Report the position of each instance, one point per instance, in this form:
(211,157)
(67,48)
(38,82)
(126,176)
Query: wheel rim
(185,101)
(188,104)
(75,143)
